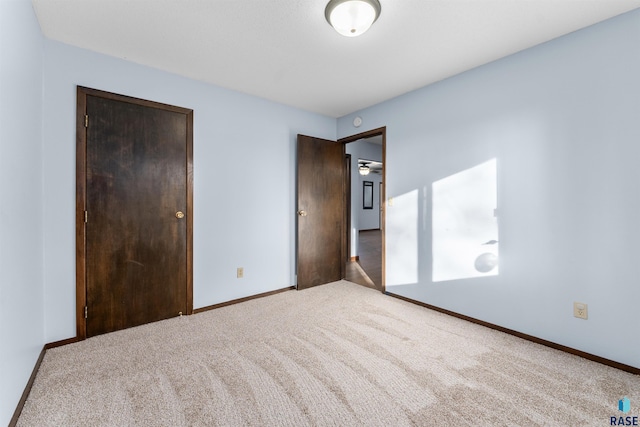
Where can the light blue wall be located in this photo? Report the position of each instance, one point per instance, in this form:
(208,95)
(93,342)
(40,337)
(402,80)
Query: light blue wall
(244,178)
(21,288)
(562,121)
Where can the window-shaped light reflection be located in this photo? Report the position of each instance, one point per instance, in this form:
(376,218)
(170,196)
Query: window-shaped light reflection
(465,226)
(402,240)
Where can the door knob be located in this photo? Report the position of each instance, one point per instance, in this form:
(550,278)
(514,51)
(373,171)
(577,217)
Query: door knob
(302,213)
(179,214)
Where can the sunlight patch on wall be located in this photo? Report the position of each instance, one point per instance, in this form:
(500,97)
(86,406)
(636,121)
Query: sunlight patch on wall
(465,225)
(402,239)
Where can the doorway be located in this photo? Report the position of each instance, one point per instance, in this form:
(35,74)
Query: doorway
(365,229)
(134,197)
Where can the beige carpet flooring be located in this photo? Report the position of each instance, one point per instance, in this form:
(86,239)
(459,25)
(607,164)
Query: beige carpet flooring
(335,355)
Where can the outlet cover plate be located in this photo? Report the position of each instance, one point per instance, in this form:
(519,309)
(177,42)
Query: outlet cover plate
(580,310)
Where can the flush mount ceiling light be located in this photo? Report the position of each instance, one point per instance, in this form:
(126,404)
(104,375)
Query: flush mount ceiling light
(352,17)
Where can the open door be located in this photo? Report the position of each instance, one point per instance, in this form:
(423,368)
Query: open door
(320,183)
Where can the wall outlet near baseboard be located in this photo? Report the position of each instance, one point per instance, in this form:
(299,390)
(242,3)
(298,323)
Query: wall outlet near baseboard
(580,310)
(240,272)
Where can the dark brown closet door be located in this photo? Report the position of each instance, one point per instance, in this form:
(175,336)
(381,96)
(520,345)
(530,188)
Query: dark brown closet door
(136,223)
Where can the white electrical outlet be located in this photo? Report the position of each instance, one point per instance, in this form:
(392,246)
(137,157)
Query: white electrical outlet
(240,272)
(580,310)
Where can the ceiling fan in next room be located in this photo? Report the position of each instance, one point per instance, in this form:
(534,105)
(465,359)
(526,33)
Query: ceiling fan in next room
(365,167)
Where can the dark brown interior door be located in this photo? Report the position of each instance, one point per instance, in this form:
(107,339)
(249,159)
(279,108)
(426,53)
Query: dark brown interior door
(320,216)
(138,207)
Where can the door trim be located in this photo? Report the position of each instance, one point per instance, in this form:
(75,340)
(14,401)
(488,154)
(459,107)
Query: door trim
(346,244)
(383,214)
(81,195)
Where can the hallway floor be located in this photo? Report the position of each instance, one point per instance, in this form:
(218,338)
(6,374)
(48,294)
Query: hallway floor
(367,271)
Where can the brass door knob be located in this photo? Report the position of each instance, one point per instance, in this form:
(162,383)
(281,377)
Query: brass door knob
(179,214)
(302,213)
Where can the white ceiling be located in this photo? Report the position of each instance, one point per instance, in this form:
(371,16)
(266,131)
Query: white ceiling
(285,51)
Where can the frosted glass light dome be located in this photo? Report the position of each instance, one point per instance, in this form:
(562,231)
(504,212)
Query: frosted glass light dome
(352,18)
